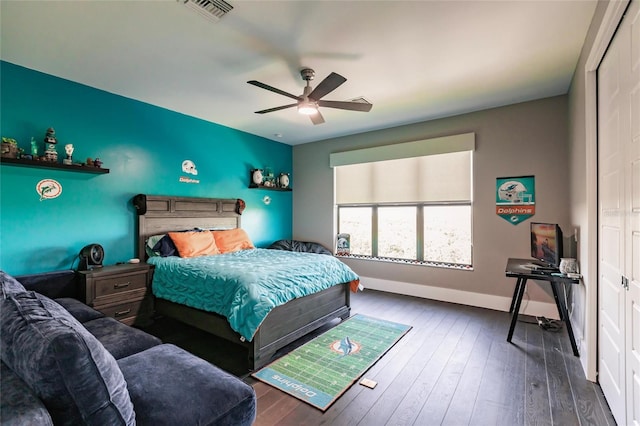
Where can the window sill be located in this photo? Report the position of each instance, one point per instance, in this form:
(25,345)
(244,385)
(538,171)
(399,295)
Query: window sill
(445,265)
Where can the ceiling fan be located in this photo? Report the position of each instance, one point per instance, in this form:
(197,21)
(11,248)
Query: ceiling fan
(311,99)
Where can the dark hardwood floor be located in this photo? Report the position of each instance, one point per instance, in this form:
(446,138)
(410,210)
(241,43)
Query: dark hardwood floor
(453,368)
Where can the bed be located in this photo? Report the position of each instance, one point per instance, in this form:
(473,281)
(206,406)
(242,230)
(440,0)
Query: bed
(282,325)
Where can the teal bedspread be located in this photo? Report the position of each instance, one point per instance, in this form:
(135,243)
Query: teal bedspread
(246,285)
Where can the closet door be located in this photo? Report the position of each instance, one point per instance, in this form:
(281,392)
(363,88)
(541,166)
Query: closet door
(611,292)
(632,238)
(618,218)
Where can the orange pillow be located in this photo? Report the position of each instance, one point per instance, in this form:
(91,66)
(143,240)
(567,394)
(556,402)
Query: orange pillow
(192,244)
(232,240)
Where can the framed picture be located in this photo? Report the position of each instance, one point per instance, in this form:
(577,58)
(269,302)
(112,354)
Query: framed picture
(343,244)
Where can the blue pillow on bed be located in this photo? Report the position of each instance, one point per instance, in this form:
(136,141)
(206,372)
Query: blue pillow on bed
(165,247)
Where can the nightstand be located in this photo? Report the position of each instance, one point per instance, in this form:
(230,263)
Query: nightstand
(120,291)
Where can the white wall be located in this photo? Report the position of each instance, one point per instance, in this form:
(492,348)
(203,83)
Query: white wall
(522,139)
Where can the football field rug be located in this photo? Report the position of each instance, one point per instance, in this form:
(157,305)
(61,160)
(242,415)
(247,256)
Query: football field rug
(321,370)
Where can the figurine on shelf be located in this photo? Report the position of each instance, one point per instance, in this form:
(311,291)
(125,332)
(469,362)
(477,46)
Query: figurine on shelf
(269,178)
(50,137)
(34,148)
(68,148)
(9,148)
(97,162)
(283,180)
(50,141)
(89,161)
(256,177)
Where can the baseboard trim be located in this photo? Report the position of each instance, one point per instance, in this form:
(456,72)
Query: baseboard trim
(480,300)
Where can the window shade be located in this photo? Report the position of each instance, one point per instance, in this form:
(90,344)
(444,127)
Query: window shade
(430,170)
(442,177)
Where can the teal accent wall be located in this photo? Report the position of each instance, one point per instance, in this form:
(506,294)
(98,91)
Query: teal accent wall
(143,146)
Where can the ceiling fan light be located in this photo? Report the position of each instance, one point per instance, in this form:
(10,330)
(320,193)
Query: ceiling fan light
(307,108)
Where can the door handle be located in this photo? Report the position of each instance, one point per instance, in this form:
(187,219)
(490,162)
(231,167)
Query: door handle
(625,282)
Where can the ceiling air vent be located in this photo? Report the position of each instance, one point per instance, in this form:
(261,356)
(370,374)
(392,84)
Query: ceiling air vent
(213,10)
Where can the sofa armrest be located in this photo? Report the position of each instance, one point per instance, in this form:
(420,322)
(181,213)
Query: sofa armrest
(52,284)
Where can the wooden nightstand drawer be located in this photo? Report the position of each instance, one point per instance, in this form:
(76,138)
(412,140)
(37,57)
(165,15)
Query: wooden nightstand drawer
(120,283)
(121,297)
(129,312)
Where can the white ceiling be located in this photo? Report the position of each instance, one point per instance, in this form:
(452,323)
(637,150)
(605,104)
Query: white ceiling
(414,60)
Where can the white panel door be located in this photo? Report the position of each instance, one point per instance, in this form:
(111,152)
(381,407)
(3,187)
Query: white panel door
(611,293)
(632,226)
(619,220)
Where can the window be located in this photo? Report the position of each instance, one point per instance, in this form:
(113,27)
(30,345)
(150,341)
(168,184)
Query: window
(396,232)
(447,234)
(356,221)
(408,203)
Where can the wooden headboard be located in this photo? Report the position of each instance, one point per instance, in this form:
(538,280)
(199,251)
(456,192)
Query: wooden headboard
(160,214)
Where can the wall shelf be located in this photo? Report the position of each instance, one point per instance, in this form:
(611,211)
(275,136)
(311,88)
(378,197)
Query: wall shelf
(270,188)
(49,165)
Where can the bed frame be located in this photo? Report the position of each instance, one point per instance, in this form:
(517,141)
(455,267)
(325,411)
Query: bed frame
(283,325)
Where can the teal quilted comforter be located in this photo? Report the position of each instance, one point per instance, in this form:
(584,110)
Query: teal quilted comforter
(246,285)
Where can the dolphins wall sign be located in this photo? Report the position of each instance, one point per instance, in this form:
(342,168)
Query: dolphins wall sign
(48,189)
(516,198)
(189,167)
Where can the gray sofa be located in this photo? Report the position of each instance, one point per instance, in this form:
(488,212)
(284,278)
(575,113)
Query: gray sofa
(65,363)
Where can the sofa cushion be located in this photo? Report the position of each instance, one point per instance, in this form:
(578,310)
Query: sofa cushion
(169,386)
(10,285)
(67,368)
(79,310)
(120,339)
(19,406)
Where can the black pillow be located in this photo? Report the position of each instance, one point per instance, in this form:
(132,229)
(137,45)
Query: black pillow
(165,247)
(300,246)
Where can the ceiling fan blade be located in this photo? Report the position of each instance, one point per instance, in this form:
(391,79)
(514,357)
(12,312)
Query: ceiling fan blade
(273,89)
(328,85)
(351,106)
(317,118)
(264,111)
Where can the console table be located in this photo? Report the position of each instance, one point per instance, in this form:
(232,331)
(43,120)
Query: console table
(521,270)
